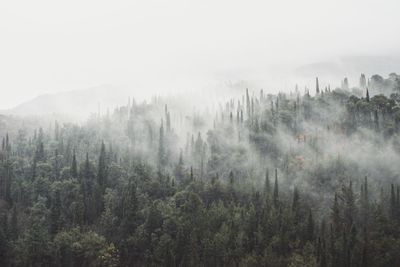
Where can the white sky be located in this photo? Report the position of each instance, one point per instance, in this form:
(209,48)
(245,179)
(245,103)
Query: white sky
(53,45)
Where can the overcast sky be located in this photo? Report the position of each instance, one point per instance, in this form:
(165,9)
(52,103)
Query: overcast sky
(50,45)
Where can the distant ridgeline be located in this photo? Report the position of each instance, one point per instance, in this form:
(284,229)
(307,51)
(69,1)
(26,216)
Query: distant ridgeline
(296,179)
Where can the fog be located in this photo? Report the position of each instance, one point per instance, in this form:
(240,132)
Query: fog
(199,133)
(163,46)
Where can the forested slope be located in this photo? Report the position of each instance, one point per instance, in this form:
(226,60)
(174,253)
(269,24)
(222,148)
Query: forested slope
(296,179)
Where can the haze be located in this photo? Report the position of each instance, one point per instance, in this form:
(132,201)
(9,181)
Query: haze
(49,46)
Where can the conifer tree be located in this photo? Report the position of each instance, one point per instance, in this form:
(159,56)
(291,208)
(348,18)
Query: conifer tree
(129,208)
(267,185)
(14,223)
(40,156)
(56,165)
(55,213)
(376,120)
(167,119)
(248,104)
(336,218)
(310,227)
(102,170)
(87,189)
(231,179)
(161,148)
(363,81)
(179,169)
(349,211)
(276,190)
(393,202)
(296,198)
(56,131)
(74,166)
(346,84)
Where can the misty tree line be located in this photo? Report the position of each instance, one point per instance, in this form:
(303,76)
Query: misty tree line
(264,180)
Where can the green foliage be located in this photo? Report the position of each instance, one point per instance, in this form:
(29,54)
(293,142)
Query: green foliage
(138,199)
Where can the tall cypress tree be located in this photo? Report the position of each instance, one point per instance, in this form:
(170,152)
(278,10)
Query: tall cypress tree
(393,202)
(349,211)
(267,185)
(102,171)
(335,217)
(40,152)
(55,213)
(231,179)
(129,208)
(87,189)
(296,198)
(179,168)
(248,104)
(167,119)
(14,223)
(56,131)
(56,166)
(310,227)
(74,166)
(363,81)
(276,190)
(161,148)
(191,174)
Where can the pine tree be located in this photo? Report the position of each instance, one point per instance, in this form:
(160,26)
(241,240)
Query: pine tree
(55,213)
(179,169)
(296,198)
(248,104)
(310,227)
(167,119)
(56,165)
(74,166)
(376,120)
(6,174)
(161,148)
(363,81)
(336,218)
(34,165)
(267,185)
(345,85)
(56,131)
(398,200)
(40,152)
(365,201)
(393,203)
(102,171)
(14,223)
(129,209)
(276,190)
(349,211)
(231,179)
(87,189)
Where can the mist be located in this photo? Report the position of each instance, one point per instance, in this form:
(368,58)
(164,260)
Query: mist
(213,133)
(163,46)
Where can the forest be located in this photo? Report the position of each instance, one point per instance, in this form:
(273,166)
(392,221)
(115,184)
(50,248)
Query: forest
(309,178)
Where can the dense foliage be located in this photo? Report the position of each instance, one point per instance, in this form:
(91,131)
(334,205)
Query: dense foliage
(286,180)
